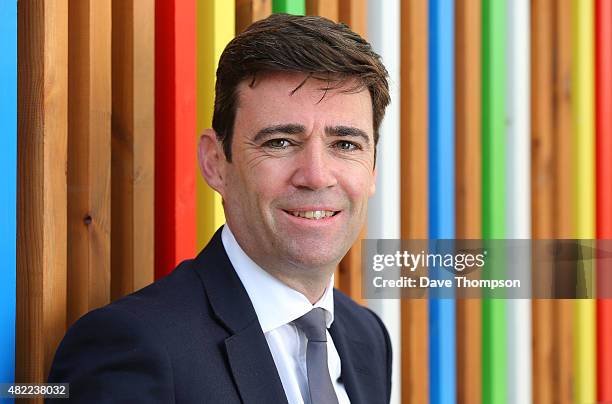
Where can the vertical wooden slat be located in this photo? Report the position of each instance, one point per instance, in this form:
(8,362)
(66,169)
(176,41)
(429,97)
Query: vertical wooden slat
(542,183)
(493,190)
(41,195)
(133,145)
(468,192)
(414,180)
(442,321)
(583,142)
(353,13)
(8,166)
(323,8)
(603,86)
(175,123)
(542,15)
(348,279)
(562,115)
(215,28)
(89,144)
(563,309)
(249,11)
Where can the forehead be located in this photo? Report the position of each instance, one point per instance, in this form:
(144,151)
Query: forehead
(276,98)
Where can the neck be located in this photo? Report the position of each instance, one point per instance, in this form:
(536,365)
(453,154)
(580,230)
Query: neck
(313,289)
(311,280)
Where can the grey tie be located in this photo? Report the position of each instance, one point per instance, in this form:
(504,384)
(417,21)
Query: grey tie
(319,383)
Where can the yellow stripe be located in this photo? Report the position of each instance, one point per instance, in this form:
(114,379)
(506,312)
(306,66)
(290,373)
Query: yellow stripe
(584,189)
(215,28)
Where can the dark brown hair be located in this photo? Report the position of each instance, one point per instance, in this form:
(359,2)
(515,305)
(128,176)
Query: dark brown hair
(317,46)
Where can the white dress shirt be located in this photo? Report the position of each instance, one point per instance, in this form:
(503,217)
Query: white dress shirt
(276,306)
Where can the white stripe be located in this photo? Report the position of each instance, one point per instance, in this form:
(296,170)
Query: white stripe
(384,208)
(518,208)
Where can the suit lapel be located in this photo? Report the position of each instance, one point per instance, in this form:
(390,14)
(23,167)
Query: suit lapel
(248,353)
(253,367)
(354,371)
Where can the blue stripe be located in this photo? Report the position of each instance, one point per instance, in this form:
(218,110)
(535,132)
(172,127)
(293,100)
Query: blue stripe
(8,186)
(442,355)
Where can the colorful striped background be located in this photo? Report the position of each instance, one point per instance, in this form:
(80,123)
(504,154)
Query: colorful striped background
(500,127)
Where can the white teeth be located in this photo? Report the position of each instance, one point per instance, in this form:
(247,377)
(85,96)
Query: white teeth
(313,214)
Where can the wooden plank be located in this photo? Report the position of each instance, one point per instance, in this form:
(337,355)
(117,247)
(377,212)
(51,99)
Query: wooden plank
(215,28)
(8,197)
(324,8)
(133,146)
(89,155)
(414,181)
(41,194)
(603,94)
(583,142)
(442,321)
(563,59)
(563,353)
(542,20)
(542,189)
(354,14)
(175,118)
(249,11)
(384,219)
(468,192)
(296,7)
(494,319)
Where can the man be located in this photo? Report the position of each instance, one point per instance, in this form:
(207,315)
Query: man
(254,318)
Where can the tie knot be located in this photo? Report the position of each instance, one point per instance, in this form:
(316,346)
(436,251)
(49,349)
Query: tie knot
(313,325)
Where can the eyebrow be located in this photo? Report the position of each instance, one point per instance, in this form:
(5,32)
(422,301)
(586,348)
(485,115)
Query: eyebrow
(296,129)
(287,129)
(348,131)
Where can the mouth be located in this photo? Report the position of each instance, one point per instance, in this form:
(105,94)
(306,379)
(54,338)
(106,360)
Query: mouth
(312,214)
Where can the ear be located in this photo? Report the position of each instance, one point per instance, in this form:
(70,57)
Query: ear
(373,182)
(211,160)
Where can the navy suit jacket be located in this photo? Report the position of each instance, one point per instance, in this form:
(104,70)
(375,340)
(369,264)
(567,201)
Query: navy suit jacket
(194,337)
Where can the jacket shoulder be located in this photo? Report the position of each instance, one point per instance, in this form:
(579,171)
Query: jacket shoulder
(166,300)
(93,355)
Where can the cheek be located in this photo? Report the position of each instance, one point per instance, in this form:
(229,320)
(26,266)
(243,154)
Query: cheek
(358,185)
(237,190)
(263,184)
(275,169)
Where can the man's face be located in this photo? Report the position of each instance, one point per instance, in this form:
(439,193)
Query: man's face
(302,171)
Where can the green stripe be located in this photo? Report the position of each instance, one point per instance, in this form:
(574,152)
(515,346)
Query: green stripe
(296,7)
(494,376)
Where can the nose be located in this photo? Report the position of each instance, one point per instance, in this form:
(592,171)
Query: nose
(313,168)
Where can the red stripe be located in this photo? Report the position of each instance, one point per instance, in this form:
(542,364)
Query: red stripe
(603,101)
(175,128)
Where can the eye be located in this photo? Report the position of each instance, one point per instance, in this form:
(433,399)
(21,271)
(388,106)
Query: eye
(277,143)
(346,145)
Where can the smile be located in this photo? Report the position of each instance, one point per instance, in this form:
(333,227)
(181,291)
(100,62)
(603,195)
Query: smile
(312,214)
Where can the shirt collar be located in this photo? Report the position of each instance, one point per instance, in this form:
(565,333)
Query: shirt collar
(275,303)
